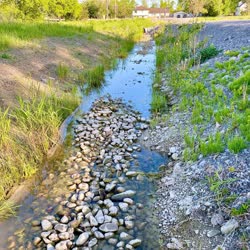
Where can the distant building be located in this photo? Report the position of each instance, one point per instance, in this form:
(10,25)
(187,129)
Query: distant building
(181,14)
(242,7)
(144,12)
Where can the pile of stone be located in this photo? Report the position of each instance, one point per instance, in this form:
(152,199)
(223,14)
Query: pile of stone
(100,213)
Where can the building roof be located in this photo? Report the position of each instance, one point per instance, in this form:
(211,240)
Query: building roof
(158,10)
(153,10)
(141,8)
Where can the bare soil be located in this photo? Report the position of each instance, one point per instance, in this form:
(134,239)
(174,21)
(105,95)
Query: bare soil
(37,63)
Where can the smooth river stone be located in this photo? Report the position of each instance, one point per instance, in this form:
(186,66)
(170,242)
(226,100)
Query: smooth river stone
(123,195)
(109,227)
(82,239)
(46,225)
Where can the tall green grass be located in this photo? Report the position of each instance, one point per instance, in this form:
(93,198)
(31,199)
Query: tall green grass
(95,77)
(27,133)
(18,34)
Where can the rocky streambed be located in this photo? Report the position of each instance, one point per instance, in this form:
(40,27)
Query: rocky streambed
(109,180)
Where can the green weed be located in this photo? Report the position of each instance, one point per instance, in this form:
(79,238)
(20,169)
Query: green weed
(232,53)
(241,82)
(95,77)
(62,71)
(236,144)
(6,56)
(208,52)
(159,101)
(7,209)
(220,188)
(243,209)
(213,145)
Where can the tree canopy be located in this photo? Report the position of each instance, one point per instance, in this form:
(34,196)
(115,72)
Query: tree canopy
(209,7)
(67,9)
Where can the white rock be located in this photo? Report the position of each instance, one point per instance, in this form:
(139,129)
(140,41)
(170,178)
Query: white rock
(109,227)
(123,206)
(125,236)
(46,225)
(82,239)
(229,226)
(135,242)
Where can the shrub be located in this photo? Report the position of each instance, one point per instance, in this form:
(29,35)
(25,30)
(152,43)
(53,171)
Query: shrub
(208,52)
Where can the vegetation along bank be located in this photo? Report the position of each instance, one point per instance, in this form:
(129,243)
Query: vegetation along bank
(201,120)
(42,67)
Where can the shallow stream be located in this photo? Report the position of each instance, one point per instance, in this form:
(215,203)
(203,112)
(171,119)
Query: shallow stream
(131,80)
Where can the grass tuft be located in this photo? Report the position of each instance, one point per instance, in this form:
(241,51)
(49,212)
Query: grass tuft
(62,71)
(95,76)
(159,101)
(236,144)
(7,209)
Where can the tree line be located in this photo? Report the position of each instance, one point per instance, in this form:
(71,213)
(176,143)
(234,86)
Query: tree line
(210,7)
(65,9)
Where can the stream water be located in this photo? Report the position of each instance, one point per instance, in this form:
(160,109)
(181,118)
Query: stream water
(131,80)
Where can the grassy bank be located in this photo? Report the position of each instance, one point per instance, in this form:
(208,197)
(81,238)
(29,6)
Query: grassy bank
(30,128)
(19,34)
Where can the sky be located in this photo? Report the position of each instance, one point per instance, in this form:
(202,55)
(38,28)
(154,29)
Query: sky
(154,1)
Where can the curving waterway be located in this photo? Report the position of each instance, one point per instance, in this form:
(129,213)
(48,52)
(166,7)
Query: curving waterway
(131,80)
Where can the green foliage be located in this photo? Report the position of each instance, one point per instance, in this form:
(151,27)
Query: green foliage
(241,81)
(67,9)
(62,71)
(27,132)
(159,101)
(236,144)
(213,145)
(7,209)
(95,77)
(6,56)
(160,58)
(243,209)
(232,53)
(208,52)
(19,34)
(220,188)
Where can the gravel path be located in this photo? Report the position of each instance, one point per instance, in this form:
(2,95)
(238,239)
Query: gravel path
(227,35)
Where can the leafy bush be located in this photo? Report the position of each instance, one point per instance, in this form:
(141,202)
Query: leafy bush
(208,52)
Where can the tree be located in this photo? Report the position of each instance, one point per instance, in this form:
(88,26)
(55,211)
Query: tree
(144,3)
(33,8)
(167,4)
(214,7)
(196,7)
(229,6)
